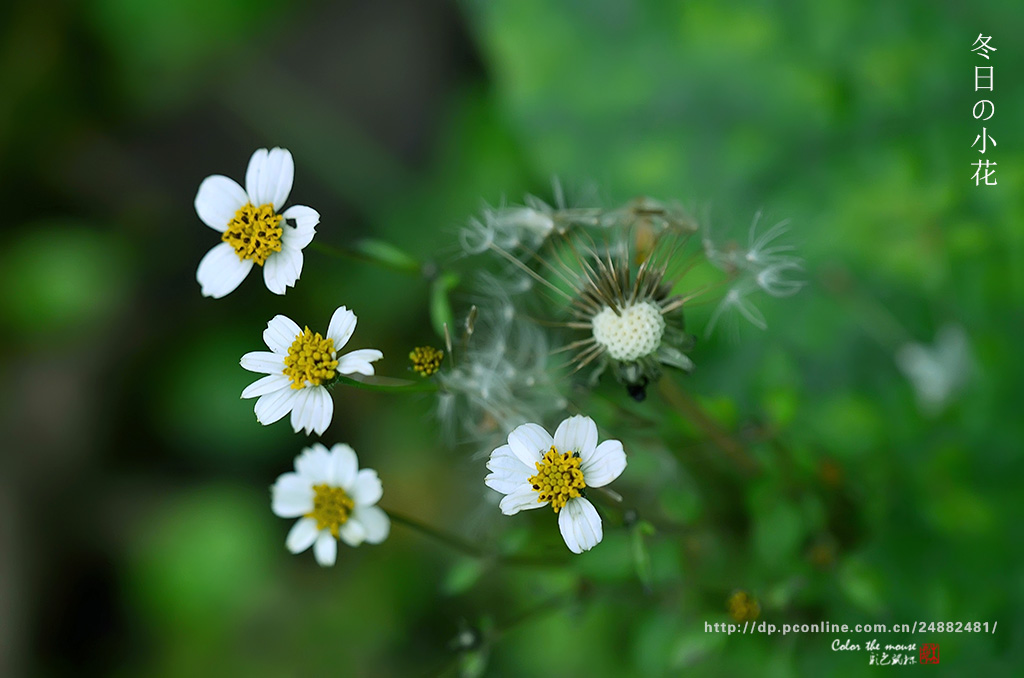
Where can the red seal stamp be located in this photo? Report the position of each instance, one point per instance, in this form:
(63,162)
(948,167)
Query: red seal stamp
(929,653)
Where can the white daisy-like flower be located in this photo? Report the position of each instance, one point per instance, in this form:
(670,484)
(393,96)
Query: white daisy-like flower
(253,228)
(333,499)
(299,367)
(535,470)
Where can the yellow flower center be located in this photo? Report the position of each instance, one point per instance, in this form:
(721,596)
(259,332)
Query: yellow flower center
(255,232)
(311,360)
(426,360)
(331,508)
(743,607)
(559,478)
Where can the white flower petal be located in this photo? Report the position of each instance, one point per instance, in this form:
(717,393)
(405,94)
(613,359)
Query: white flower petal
(306,219)
(324,409)
(605,464)
(281,333)
(358,362)
(367,489)
(343,467)
(282,269)
(325,549)
(291,496)
(301,536)
(220,271)
(522,498)
(271,407)
(352,533)
(374,521)
(264,362)
(304,410)
(314,464)
(269,177)
(577,434)
(529,442)
(343,324)
(217,201)
(580,525)
(265,385)
(507,472)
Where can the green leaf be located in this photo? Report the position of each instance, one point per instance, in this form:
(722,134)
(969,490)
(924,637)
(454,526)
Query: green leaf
(386,254)
(440,306)
(462,576)
(641,556)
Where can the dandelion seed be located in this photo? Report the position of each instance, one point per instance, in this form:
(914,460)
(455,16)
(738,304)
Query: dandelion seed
(333,499)
(300,366)
(535,469)
(758,251)
(254,230)
(499,377)
(760,254)
(736,299)
(772,279)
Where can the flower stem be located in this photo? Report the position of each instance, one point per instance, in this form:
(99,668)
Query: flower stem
(691,409)
(468,548)
(388,384)
(373,252)
(450,540)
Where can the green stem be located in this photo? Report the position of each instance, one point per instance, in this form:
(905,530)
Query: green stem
(389,384)
(551,604)
(719,437)
(373,252)
(879,322)
(468,548)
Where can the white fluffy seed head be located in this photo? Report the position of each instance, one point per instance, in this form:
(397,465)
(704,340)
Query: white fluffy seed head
(634,333)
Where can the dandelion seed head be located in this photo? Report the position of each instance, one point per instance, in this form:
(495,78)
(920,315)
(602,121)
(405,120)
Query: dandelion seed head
(631,333)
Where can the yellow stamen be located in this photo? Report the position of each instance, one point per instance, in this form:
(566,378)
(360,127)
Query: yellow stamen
(559,478)
(426,360)
(255,232)
(311,360)
(332,508)
(743,606)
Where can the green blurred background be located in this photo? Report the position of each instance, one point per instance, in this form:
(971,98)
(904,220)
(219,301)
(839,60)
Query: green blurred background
(136,532)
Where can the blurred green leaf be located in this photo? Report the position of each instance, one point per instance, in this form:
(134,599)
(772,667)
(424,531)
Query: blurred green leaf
(860,581)
(462,576)
(60,275)
(201,384)
(641,556)
(778,532)
(155,45)
(204,557)
(440,305)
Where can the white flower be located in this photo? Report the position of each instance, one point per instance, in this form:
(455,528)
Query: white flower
(939,371)
(333,500)
(535,470)
(298,368)
(252,226)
